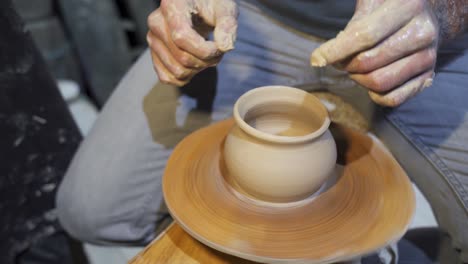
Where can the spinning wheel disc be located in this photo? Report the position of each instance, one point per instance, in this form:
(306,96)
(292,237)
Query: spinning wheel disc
(369,206)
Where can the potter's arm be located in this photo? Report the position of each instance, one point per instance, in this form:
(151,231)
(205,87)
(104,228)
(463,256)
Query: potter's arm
(390,46)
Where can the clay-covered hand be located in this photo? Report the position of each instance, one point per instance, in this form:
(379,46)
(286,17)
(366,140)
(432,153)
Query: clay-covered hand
(389,47)
(177,37)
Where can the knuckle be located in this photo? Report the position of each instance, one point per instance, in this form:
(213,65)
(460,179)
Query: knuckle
(178,36)
(148,38)
(432,54)
(375,82)
(155,25)
(431,34)
(366,37)
(164,78)
(362,62)
(186,60)
(151,40)
(364,34)
(189,61)
(427,35)
(180,73)
(156,30)
(153,18)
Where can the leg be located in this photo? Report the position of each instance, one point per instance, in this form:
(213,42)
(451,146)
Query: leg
(91,200)
(111,193)
(428,135)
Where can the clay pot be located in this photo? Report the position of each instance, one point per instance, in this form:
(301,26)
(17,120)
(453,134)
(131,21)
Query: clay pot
(280,149)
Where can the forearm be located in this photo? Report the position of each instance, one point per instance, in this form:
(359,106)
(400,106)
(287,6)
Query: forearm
(452,16)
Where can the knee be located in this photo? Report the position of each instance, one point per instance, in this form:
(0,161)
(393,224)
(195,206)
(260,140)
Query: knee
(91,218)
(77,214)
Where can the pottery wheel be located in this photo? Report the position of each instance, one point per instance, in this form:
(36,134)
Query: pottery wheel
(370,205)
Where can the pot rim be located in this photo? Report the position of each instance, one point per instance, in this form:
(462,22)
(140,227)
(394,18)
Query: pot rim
(276,138)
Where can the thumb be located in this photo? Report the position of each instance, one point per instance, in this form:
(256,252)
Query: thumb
(225,31)
(320,55)
(366,32)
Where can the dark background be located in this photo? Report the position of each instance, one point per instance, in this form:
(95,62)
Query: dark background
(90,42)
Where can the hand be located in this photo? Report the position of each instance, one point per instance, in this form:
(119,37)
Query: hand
(176,37)
(389,47)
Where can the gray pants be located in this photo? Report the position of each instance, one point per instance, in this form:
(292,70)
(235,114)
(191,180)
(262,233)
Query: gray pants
(112,194)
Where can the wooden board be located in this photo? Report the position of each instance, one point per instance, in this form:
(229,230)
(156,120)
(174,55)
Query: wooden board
(174,245)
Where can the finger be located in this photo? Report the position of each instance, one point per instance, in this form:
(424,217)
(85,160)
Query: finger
(159,29)
(163,74)
(365,7)
(395,74)
(365,32)
(225,32)
(417,34)
(178,14)
(398,96)
(165,56)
